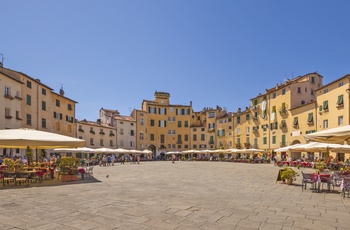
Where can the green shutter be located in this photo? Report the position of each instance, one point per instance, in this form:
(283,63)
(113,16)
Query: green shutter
(325,105)
(310,117)
(340,100)
(295,121)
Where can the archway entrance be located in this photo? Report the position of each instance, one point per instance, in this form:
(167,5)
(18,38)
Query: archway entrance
(295,155)
(153,149)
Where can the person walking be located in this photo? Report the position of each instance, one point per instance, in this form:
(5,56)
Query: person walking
(173,158)
(122,159)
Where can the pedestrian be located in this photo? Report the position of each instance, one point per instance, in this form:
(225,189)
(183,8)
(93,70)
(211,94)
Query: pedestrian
(138,159)
(122,159)
(113,159)
(173,158)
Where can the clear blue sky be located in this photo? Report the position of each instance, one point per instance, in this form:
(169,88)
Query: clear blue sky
(113,54)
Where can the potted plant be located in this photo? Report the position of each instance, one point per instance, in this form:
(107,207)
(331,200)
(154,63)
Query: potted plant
(288,175)
(68,168)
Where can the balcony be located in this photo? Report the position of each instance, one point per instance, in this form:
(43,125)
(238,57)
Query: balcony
(283,124)
(8,117)
(18,118)
(8,96)
(111,135)
(254,107)
(340,105)
(238,145)
(92,131)
(283,144)
(247,145)
(283,111)
(18,98)
(81,130)
(102,133)
(211,142)
(211,130)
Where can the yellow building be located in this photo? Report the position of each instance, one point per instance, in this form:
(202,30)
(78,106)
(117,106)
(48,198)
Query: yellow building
(333,107)
(224,132)
(241,128)
(272,122)
(199,131)
(163,126)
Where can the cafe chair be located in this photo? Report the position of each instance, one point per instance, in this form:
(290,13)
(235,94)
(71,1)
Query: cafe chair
(21,179)
(308,178)
(8,178)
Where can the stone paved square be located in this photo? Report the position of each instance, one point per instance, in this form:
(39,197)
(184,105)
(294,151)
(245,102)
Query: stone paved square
(184,195)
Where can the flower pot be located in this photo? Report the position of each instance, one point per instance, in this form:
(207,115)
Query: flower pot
(66,178)
(289,181)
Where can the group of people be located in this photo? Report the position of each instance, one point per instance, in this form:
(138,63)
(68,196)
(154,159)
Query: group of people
(109,160)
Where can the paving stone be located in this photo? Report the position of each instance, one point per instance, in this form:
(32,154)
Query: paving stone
(187,195)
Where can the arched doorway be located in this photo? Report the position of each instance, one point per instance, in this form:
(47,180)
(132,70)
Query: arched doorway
(153,149)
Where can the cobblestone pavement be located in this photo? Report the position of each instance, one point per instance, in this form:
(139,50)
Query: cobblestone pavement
(184,195)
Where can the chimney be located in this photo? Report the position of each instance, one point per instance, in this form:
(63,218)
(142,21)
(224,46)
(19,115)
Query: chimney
(61,91)
(99,121)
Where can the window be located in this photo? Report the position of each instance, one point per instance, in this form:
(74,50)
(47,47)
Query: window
(211,126)
(29,84)
(174,119)
(202,137)
(202,129)
(111,143)
(7,91)
(179,124)
(325,91)
(101,142)
(186,123)
(162,138)
(58,103)
(238,131)
(299,89)
(8,113)
(173,132)
(43,91)
(141,114)
(161,123)
(305,90)
(229,119)
(43,123)
(283,91)
(295,122)
(132,132)
(325,124)
(247,129)
(211,115)
(221,133)
(264,140)
(273,139)
(43,105)
(152,122)
(310,118)
(341,84)
(141,121)
(121,131)
(169,119)
(274,95)
(303,102)
(162,111)
(152,110)
(312,79)
(69,107)
(29,119)
(194,146)
(194,137)
(141,136)
(238,120)
(29,100)
(312,92)
(340,100)
(325,105)
(171,109)
(152,137)
(340,120)
(91,141)
(18,117)
(247,116)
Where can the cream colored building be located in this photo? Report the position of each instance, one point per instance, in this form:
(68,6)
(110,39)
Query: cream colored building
(125,127)
(199,131)
(42,108)
(10,101)
(96,134)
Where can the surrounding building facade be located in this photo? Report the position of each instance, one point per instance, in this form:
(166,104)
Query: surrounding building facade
(279,117)
(96,134)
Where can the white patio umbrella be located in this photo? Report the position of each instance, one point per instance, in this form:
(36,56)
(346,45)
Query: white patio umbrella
(23,138)
(336,135)
(190,151)
(105,150)
(286,148)
(172,152)
(147,151)
(74,150)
